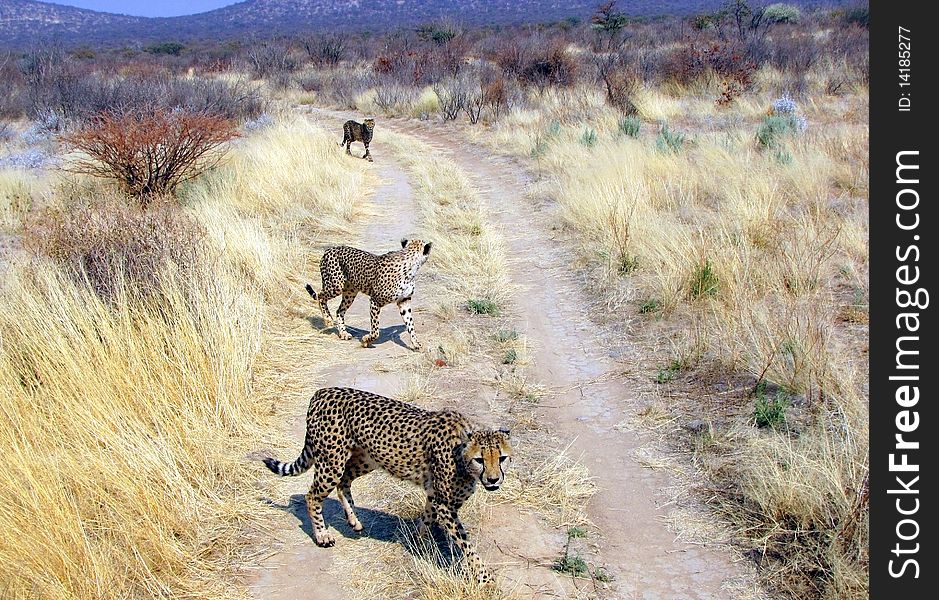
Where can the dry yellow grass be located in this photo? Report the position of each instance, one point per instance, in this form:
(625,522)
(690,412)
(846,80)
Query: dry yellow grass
(127,422)
(469,252)
(759,254)
(20,191)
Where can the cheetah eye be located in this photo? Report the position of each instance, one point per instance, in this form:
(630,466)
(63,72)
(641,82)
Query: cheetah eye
(479,459)
(502,458)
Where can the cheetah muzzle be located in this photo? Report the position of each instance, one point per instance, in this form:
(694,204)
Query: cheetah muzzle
(384,278)
(352,432)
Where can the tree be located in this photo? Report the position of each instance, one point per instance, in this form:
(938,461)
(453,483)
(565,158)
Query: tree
(609,57)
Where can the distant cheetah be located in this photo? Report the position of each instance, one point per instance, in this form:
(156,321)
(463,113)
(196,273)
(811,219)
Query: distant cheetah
(358,132)
(350,433)
(384,279)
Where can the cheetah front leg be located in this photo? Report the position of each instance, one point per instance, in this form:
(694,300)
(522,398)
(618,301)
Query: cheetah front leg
(368,155)
(447,518)
(373,311)
(347,299)
(404,307)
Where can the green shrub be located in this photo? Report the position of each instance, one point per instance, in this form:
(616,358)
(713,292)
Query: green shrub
(782,13)
(668,373)
(650,306)
(627,264)
(669,141)
(704,281)
(773,129)
(482,306)
(574,565)
(630,126)
(589,137)
(169,48)
(769,412)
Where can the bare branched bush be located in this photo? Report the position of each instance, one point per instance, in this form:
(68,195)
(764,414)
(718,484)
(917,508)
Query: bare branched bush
(77,99)
(475,101)
(453,95)
(510,55)
(272,60)
(550,65)
(343,89)
(149,154)
(495,96)
(391,96)
(12,101)
(325,50)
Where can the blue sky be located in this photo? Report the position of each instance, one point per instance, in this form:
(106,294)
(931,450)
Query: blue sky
(148,8)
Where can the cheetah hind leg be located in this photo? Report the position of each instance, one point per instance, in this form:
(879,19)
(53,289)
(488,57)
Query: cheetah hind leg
(327,476)
(324,309)
(347,299)
(358,465)
(373,311)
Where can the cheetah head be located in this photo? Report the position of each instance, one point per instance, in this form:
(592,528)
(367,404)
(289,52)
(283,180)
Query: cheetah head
(487,454)
(370,123)
(418,248)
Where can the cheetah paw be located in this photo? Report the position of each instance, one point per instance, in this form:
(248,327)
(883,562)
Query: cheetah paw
(325,539)
(345,335)
(367,341)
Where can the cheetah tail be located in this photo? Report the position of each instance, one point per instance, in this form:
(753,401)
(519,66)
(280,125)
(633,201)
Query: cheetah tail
(297,467)
(311,291)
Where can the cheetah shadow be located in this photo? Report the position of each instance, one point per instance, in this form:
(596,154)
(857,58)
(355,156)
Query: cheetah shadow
(377,525)
(386,334)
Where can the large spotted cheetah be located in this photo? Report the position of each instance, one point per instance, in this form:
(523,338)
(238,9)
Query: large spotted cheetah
(352,432)
(385,278)
(358,132)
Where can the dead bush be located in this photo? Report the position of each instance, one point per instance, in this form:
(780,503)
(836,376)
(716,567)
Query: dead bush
(274,61)
(550,65)
(453,95)
(12,101)
(391,95)
(115,246)
(325,50)
(495,96)
(149,154)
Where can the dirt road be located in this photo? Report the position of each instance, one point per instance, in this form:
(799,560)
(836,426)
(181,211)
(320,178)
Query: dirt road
(570,355)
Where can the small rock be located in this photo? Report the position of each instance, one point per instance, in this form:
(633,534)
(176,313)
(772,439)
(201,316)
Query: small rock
(696,426)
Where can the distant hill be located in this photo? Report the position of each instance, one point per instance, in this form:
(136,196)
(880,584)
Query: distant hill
(25,21)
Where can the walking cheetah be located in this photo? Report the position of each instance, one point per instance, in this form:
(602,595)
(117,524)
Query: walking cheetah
(384,279)
(358,132)
(351,432)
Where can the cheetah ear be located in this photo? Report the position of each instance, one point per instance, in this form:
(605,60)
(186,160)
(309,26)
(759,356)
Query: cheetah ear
(404,242)
(427,248)
(507,432)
